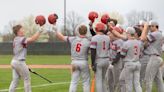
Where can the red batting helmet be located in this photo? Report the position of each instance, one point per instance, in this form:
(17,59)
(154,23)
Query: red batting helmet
(104,18)
(52,18)
(100,27)
(40,19)
(92,16)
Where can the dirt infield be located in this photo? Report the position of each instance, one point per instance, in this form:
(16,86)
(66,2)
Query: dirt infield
(42,66)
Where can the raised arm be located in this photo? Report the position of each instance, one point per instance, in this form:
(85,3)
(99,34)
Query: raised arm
(35,36)
(118,34)
(59,35)
(91,29)
(144,32)
(112,30)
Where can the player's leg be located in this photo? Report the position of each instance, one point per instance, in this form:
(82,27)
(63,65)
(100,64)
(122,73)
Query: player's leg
(15,81)
(144,60)
(162,72)
(136,78)
(85,73)
(24,72)
(142,74)
(122,81)
(117,70)
(151,71)
(104,70)
(159,80)
(129,79)
(15,76)
(98,77)
(109,79)
(75,78)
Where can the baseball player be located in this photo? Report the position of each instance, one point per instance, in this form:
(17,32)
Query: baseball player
(121,78)
(109,73)
(154,50)
(79,55)
(130,52)
(112,74)
(108,77)
(143,58)
(118,66)
(100,56)
(19,67)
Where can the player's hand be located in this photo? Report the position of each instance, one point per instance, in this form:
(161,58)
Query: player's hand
(52,28)
(30,69)
(113,63)
(146,25)
(110,66)
(94,66)
(90,24)
(40,29)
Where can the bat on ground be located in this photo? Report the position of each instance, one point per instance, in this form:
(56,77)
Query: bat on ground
(40,75)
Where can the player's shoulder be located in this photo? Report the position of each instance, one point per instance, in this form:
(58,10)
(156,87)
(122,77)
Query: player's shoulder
(19,38)
(95,37)
(131,42)
(98,37)
(72,37)
(139,41)
(86,40)
(156,33)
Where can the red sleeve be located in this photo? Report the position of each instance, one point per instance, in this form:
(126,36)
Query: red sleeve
(24,43)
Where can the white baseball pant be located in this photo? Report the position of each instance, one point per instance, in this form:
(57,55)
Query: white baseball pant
(80,67)
(20,70)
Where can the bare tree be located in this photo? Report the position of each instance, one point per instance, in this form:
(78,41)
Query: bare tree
(134,17)
(7,35)
(73,19)
(117,16)
(31,28)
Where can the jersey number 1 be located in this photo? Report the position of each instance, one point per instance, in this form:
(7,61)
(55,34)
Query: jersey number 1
(78,47)
(104,45)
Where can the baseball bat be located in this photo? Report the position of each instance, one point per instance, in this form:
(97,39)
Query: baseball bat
(40,75)
(93,84)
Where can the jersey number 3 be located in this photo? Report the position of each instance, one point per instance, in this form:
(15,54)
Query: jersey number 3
(78,46)
(135,50)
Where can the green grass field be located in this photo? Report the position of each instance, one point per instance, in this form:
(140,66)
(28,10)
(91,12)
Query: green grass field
(60,77)
(39,59)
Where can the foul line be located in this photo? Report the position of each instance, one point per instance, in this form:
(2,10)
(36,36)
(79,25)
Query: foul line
(36,86)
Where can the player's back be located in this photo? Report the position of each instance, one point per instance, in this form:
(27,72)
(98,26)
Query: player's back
(132,49)
(80,48)
(102,44)
(19,50)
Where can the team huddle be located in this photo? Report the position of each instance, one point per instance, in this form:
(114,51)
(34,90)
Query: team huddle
(122,60)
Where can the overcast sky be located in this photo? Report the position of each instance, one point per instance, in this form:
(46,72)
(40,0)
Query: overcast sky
(18,9)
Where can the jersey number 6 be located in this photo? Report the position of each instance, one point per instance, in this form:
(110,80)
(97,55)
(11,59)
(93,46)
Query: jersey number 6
(78,45)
